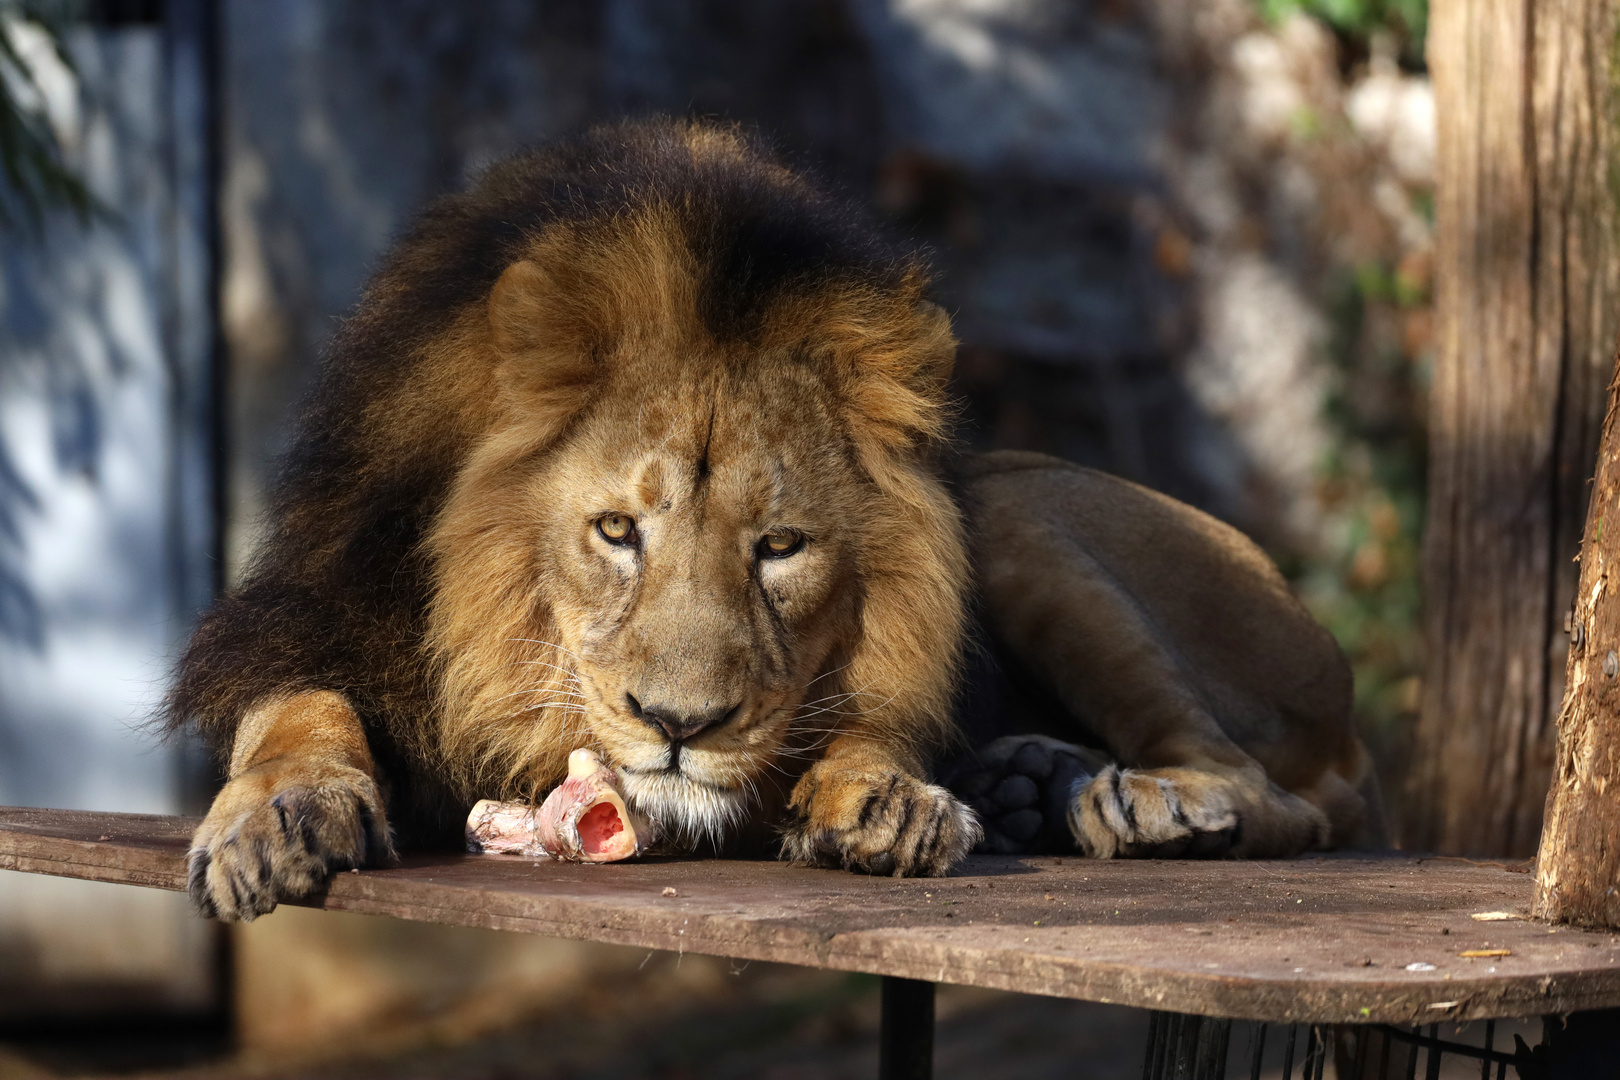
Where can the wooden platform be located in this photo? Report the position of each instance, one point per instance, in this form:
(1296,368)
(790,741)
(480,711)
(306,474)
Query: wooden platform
(1327,939)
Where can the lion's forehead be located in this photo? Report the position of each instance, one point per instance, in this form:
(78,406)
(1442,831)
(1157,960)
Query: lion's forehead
(763,447)
(766,487)
(700,400)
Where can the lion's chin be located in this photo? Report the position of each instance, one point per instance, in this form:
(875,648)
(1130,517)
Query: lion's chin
(688,810)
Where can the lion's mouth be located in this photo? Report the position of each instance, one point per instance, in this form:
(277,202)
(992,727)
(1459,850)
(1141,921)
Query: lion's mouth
(688,807)
(674,772)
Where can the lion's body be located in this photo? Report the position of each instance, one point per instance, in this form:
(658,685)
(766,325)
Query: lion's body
(637,445)
(1168,638)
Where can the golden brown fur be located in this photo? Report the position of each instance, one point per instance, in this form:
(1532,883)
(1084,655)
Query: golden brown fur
(302,802)
(1172,640)
(639,361)
(636,446)
(606,346)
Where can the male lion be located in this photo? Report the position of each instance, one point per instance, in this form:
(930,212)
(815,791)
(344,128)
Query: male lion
(640,445)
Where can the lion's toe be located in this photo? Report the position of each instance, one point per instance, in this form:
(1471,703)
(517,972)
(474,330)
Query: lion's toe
(893,825)
(244,870)
(252,853)
(1127,813)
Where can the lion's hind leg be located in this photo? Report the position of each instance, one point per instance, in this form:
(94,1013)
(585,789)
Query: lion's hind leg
(1172,640)
(1191,813)
(1039,795)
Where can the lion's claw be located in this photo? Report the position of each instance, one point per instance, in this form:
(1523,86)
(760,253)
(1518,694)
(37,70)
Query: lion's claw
(1133,814)
(254,851)
(891,825)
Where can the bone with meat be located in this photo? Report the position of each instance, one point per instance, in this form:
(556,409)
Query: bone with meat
(584,819)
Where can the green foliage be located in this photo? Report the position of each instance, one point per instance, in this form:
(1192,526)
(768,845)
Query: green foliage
(1366,587)
(1358,20)
(33,177)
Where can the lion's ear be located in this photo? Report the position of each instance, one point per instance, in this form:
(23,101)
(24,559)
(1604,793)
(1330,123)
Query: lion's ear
(547,340)
(896,356)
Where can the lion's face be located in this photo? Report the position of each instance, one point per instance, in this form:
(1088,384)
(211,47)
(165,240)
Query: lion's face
(700,539)
(707,555)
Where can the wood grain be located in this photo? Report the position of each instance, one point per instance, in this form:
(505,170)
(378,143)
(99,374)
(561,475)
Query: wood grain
(1320,939)
(1579,863)
(1527,314)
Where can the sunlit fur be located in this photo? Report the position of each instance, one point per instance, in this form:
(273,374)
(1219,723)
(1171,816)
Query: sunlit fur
(655,321)
(615,397)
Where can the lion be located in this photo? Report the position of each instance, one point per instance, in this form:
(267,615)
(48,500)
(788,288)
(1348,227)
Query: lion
(643,444)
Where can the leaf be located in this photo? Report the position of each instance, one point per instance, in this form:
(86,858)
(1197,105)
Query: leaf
(33,177)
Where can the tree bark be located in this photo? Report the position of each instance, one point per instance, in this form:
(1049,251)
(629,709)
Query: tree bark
(1578,867)
(1526,317)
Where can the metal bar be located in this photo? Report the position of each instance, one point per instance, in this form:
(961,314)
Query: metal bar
(1433,1071)
(1358,1066)
(1214,1035)
(1186,1048)
(1258,1039)
(1159,1052)
(1445,1046)
(1166,1047)
(1490,1042)
(1288,1053)
(906,1035)
(1155,1033)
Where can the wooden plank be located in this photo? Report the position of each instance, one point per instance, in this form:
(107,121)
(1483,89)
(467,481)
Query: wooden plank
(1325,939)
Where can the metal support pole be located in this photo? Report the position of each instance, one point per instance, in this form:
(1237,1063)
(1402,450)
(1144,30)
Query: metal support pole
(906,1042)
(1184,1047)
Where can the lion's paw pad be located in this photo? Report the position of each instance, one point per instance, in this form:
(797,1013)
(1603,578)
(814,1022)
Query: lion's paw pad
(1134,814)
(1021,787)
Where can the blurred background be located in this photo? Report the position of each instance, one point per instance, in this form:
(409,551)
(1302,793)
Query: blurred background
(1185,241)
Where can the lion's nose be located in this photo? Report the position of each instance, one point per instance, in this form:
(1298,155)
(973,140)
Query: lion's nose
(678,725)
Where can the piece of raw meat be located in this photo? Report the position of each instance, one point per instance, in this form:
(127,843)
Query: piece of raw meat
(584,819)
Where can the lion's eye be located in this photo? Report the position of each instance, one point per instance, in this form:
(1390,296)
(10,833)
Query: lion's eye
(616,528)
(780,543)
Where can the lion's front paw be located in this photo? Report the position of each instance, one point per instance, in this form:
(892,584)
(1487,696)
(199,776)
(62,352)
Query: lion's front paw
(881,823)
(1164,814)
(277,832)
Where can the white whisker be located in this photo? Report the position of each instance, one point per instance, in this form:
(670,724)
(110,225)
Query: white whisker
(542,690)
(542,663)
(824,674)
(547,644)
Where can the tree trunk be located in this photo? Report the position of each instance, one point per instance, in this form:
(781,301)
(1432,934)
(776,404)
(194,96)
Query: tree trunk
(1526,317)
(1579,863)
